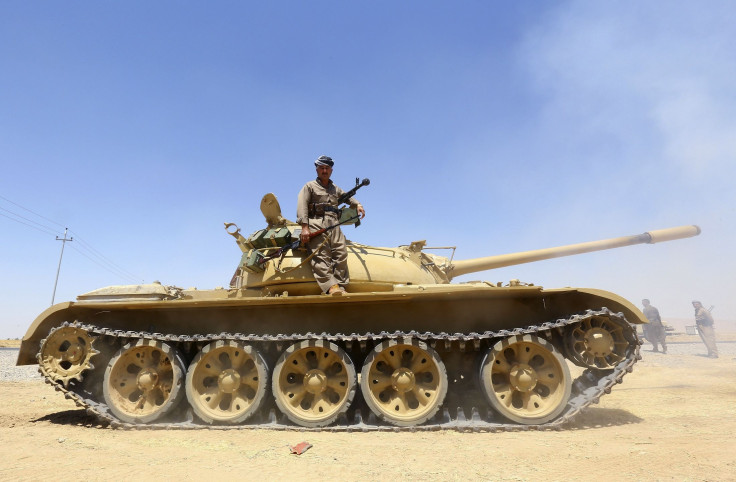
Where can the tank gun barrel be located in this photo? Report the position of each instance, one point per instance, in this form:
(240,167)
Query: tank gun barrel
(467,266)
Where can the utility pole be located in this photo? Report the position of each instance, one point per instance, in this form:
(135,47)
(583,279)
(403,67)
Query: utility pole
(63,242)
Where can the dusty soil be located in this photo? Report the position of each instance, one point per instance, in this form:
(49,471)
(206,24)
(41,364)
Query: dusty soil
(672,418)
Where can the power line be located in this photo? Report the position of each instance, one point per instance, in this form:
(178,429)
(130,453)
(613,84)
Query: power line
(30,226)
(47,230)
(121,274)
(105,259)
(111,266)
(32,212)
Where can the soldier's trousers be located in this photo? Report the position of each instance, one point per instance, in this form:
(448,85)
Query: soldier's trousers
(330,262)
(655,334)
(708,335)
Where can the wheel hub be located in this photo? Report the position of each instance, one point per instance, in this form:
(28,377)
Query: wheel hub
(147,379)
(74,353)
(599,342)
(315,381)
(229,380)
(523,377)
(403,380)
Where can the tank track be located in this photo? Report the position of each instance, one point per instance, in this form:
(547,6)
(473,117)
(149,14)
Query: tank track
(587,388)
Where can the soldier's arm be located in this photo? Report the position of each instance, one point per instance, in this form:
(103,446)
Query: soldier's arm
(302,212)
(708,316)
(302,205)
(354,203)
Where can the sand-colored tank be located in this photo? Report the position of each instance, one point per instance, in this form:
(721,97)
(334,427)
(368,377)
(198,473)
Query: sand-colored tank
(404,347)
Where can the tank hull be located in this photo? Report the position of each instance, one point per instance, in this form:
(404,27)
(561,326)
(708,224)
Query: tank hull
(428,356)
(457,308)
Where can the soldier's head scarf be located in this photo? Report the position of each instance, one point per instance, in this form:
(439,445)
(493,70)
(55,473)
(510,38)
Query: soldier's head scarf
(324,161)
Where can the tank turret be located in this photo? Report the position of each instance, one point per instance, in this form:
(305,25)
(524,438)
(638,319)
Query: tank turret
(381,268)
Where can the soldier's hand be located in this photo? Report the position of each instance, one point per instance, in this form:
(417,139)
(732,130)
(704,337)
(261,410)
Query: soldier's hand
(305,235)
(361,211)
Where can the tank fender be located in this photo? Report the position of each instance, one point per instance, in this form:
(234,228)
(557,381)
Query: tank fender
(51,317)
(581,299)
(631,311)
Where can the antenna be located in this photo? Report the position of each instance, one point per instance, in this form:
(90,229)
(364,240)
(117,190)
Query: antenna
(63,242)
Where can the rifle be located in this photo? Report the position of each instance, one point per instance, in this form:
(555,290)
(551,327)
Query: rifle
(347,195)
(295,244)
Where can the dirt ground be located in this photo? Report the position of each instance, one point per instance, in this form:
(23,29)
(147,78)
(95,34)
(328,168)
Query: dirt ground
(672,418)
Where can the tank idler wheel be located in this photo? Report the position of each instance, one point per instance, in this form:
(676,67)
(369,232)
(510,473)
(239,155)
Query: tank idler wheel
(314,382)
(143,381)
(599,342)
(65,354)
(526,379)
(226,382)
(404,382)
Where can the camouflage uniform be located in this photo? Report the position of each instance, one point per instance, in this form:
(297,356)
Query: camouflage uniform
(704,322)
(330,263)
(654,332)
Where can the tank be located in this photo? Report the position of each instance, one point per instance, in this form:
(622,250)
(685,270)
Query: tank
(404,348)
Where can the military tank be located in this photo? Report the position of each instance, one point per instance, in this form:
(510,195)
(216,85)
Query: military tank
(403,349)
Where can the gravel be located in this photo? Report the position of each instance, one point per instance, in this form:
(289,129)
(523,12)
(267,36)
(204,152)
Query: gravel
(11,373)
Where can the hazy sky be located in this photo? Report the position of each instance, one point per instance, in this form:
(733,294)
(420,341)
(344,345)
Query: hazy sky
(492,126)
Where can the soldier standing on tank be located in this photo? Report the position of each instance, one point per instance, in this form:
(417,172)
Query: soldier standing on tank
(316,209)
(654,331)
(704,323)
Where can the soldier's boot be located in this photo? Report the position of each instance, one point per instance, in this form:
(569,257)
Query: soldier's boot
(335,290)
(664,349)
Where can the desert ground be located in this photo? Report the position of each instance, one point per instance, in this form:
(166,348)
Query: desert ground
(673,418)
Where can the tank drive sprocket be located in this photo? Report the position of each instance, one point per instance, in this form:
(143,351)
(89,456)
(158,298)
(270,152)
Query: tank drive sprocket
(66,353)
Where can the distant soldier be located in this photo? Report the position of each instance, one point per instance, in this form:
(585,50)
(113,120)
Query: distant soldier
(654,331)
(704,323)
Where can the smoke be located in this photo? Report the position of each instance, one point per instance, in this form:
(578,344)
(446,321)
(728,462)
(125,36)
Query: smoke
(639,107)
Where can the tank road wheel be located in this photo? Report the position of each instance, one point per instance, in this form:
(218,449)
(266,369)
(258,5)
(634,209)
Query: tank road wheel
(526,379)
(599,342)
(65,354)
(404,383)
(226,382)
(143,381)
(313,382)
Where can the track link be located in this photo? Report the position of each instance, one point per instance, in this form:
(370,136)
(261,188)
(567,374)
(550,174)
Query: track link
(586,388)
